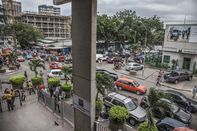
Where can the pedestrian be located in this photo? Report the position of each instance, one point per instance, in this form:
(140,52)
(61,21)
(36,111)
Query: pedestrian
(8,98)
(158,81)
(41,73)
(12,92)
(30,86)
(194,91)
(25,74)
(188,108)
(57,101)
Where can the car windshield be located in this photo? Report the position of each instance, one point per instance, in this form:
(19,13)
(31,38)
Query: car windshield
(136,84)
(131,105)
(183,98)
(174,74)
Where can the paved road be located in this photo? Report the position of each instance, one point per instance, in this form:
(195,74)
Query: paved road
(150,83)
(147,82)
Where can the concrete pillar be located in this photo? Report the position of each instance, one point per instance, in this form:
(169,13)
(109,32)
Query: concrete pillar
(84,57)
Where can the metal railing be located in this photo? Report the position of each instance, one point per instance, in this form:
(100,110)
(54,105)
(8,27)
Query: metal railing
(66,110)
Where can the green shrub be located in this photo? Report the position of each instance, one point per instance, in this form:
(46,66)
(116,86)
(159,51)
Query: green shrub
(118,114)
(37,80)
(17,80)
(144,127)
(99,104)
(67,87)
(53,82)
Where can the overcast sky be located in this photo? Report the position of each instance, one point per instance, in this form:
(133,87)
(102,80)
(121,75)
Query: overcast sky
(166,9)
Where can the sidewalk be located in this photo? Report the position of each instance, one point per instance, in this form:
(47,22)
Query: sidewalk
(31,117)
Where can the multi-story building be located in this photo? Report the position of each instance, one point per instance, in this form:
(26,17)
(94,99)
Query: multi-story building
(50,10)
(8,8)
(50,25)
(180,45)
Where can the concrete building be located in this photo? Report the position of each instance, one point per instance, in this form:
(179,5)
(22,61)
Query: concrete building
(180,44)
(49,10)
(84,13)
(8,9)
(50,25)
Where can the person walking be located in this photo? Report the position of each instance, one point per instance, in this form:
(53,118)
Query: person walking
(194,91)
(30,86)
(8,98)
(57,101)
(41,73)
(25,74)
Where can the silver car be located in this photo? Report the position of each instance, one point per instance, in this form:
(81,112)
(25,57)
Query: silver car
(136,113)
(133,66)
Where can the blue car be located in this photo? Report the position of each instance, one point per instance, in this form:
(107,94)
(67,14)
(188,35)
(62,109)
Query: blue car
(28,56)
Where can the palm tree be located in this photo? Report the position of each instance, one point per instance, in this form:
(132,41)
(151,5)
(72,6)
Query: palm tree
(103,83)
(67,71)
(153,101)
(34,64)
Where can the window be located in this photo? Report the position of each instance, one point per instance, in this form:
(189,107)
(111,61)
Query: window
(108,99)
(116,102)
(166,59)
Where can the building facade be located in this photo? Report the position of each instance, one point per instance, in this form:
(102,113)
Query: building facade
(180,45)
(50,10)
(8,8)
(50,25)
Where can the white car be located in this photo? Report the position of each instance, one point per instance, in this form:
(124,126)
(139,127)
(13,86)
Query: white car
(56,73)
(98,56)
(133,66)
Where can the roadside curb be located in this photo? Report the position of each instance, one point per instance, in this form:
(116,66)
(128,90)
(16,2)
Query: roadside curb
(188,90)
(12,72)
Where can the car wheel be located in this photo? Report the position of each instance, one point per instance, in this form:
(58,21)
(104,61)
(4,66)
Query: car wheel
(190,78)
(176,81)
(132,121)
(138,93)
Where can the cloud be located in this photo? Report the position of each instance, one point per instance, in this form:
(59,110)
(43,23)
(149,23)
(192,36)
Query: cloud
(165,9)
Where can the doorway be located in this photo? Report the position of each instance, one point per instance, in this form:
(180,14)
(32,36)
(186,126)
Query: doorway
(186,63)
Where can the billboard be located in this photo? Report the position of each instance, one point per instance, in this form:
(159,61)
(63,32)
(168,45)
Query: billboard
(182,33)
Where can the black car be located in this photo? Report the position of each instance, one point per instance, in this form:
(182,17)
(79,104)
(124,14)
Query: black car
(175,111)
(176,76)
(181,100)
(114,76)
(168,124)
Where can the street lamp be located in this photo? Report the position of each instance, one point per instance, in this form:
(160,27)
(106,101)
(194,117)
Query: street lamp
(145,40)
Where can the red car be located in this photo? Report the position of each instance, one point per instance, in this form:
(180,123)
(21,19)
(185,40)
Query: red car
(130,85)
(55,65)
(20,59)
(183,129)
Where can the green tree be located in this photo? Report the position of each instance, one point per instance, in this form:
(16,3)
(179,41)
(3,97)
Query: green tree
(12,57)
(67,70)
(103,83)
(153,101)
(25,34)
(35,64)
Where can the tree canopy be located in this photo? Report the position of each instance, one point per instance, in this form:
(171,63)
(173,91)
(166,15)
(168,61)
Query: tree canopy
(127,26)
(25,33)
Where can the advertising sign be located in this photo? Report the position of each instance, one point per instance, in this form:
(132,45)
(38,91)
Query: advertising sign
(182,33)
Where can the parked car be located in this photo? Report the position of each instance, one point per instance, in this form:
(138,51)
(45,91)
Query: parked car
(114,76)
(56,73)
(136,113)
(20,59)
(169,124)
(98,56)
(130,85)
(175,111)
(111,60)
(183,129)
(181,100)
(55,65)
(178,75)
(133,66)
(28,56)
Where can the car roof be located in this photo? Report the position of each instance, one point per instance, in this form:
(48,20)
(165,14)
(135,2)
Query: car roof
(172,122)
(119,97)
(174,92)
(55,70)
(125,79)
(132,63)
